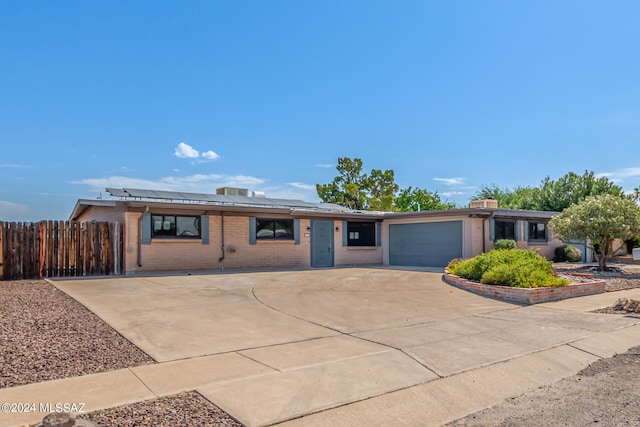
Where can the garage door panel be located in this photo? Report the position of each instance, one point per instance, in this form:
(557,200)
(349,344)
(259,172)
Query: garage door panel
(427,244)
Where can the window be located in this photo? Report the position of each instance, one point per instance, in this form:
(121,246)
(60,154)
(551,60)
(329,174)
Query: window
(361,234)
(505,229)
(274,229)
(175,226)
(537,231)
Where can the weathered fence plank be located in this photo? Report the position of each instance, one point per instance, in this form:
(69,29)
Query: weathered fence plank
(60,249)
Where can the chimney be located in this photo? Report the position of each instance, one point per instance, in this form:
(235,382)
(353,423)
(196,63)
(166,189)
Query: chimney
(484,203)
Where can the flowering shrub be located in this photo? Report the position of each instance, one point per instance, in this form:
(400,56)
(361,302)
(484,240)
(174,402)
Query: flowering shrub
(599,220)
(509,267)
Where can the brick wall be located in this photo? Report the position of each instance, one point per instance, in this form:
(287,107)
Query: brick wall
(241,254)
(178,254)
(528,295)
(358,256)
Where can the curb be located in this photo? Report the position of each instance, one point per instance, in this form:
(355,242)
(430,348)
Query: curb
(527,295)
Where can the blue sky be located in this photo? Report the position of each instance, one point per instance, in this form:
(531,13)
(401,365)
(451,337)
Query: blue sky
(196,95)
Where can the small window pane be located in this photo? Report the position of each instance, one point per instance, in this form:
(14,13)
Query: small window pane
(537,231)
(505,230)
(275,229)
(163,225)
(361,233)
(188,226)
(175,226)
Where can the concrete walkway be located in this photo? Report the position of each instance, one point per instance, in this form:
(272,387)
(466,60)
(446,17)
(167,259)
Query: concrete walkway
(358,347)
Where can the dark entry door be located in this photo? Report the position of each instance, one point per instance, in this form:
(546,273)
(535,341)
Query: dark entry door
(321,243)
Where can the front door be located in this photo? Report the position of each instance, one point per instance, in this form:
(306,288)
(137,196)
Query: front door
(321,243)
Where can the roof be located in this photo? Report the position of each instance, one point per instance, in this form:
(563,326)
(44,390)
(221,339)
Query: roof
(474,213)
(219,199)
(139,199)
(132,198)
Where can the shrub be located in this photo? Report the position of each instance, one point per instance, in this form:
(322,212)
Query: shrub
(505,244)
(517,267)
(566,253)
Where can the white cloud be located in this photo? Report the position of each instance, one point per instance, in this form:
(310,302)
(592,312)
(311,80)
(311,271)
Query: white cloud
(9,211)
(15,166)
(185,151)
(620,174)
(452,193)
(627,178)
(323,165)
(450,181)
(198,183)
(604,174)
(278,192)
(302,186)
(206,183)
(210,155)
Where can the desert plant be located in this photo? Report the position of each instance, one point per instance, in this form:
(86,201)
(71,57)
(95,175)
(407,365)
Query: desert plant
(598,220)
(517,267)
(505,244)
(568,253)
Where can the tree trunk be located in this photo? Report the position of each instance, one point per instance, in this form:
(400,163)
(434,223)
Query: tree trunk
(606,252)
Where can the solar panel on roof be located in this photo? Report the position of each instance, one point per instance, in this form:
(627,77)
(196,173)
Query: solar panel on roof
(221,199)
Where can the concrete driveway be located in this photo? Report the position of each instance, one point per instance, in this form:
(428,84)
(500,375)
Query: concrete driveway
(358,346)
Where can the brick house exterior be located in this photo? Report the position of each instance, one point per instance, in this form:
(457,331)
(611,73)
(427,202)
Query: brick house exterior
(165,233)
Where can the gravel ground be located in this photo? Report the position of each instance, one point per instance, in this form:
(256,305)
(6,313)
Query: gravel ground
(187,409)
(47,335)
(605,393)
(618,278)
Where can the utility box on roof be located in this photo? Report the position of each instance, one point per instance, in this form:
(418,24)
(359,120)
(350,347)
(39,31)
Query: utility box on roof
(484,203)
(232,191)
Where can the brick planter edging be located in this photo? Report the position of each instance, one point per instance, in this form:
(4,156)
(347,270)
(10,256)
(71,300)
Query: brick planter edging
(527,295)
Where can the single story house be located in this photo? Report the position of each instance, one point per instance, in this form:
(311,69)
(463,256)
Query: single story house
(235,228)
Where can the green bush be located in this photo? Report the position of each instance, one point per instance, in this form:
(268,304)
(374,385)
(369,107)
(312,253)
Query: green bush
(566,253)
(505,244)
(517,267)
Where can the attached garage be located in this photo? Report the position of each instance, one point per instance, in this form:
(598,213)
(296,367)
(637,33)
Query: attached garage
(425,244)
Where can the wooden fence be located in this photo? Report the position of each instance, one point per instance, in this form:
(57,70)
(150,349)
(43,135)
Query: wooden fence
(60,249)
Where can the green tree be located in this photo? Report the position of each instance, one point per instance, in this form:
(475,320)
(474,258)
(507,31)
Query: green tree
(518,198)
(381,189)
(355,189)
(598,220)
(551,195)
(572,188)
(418,199)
